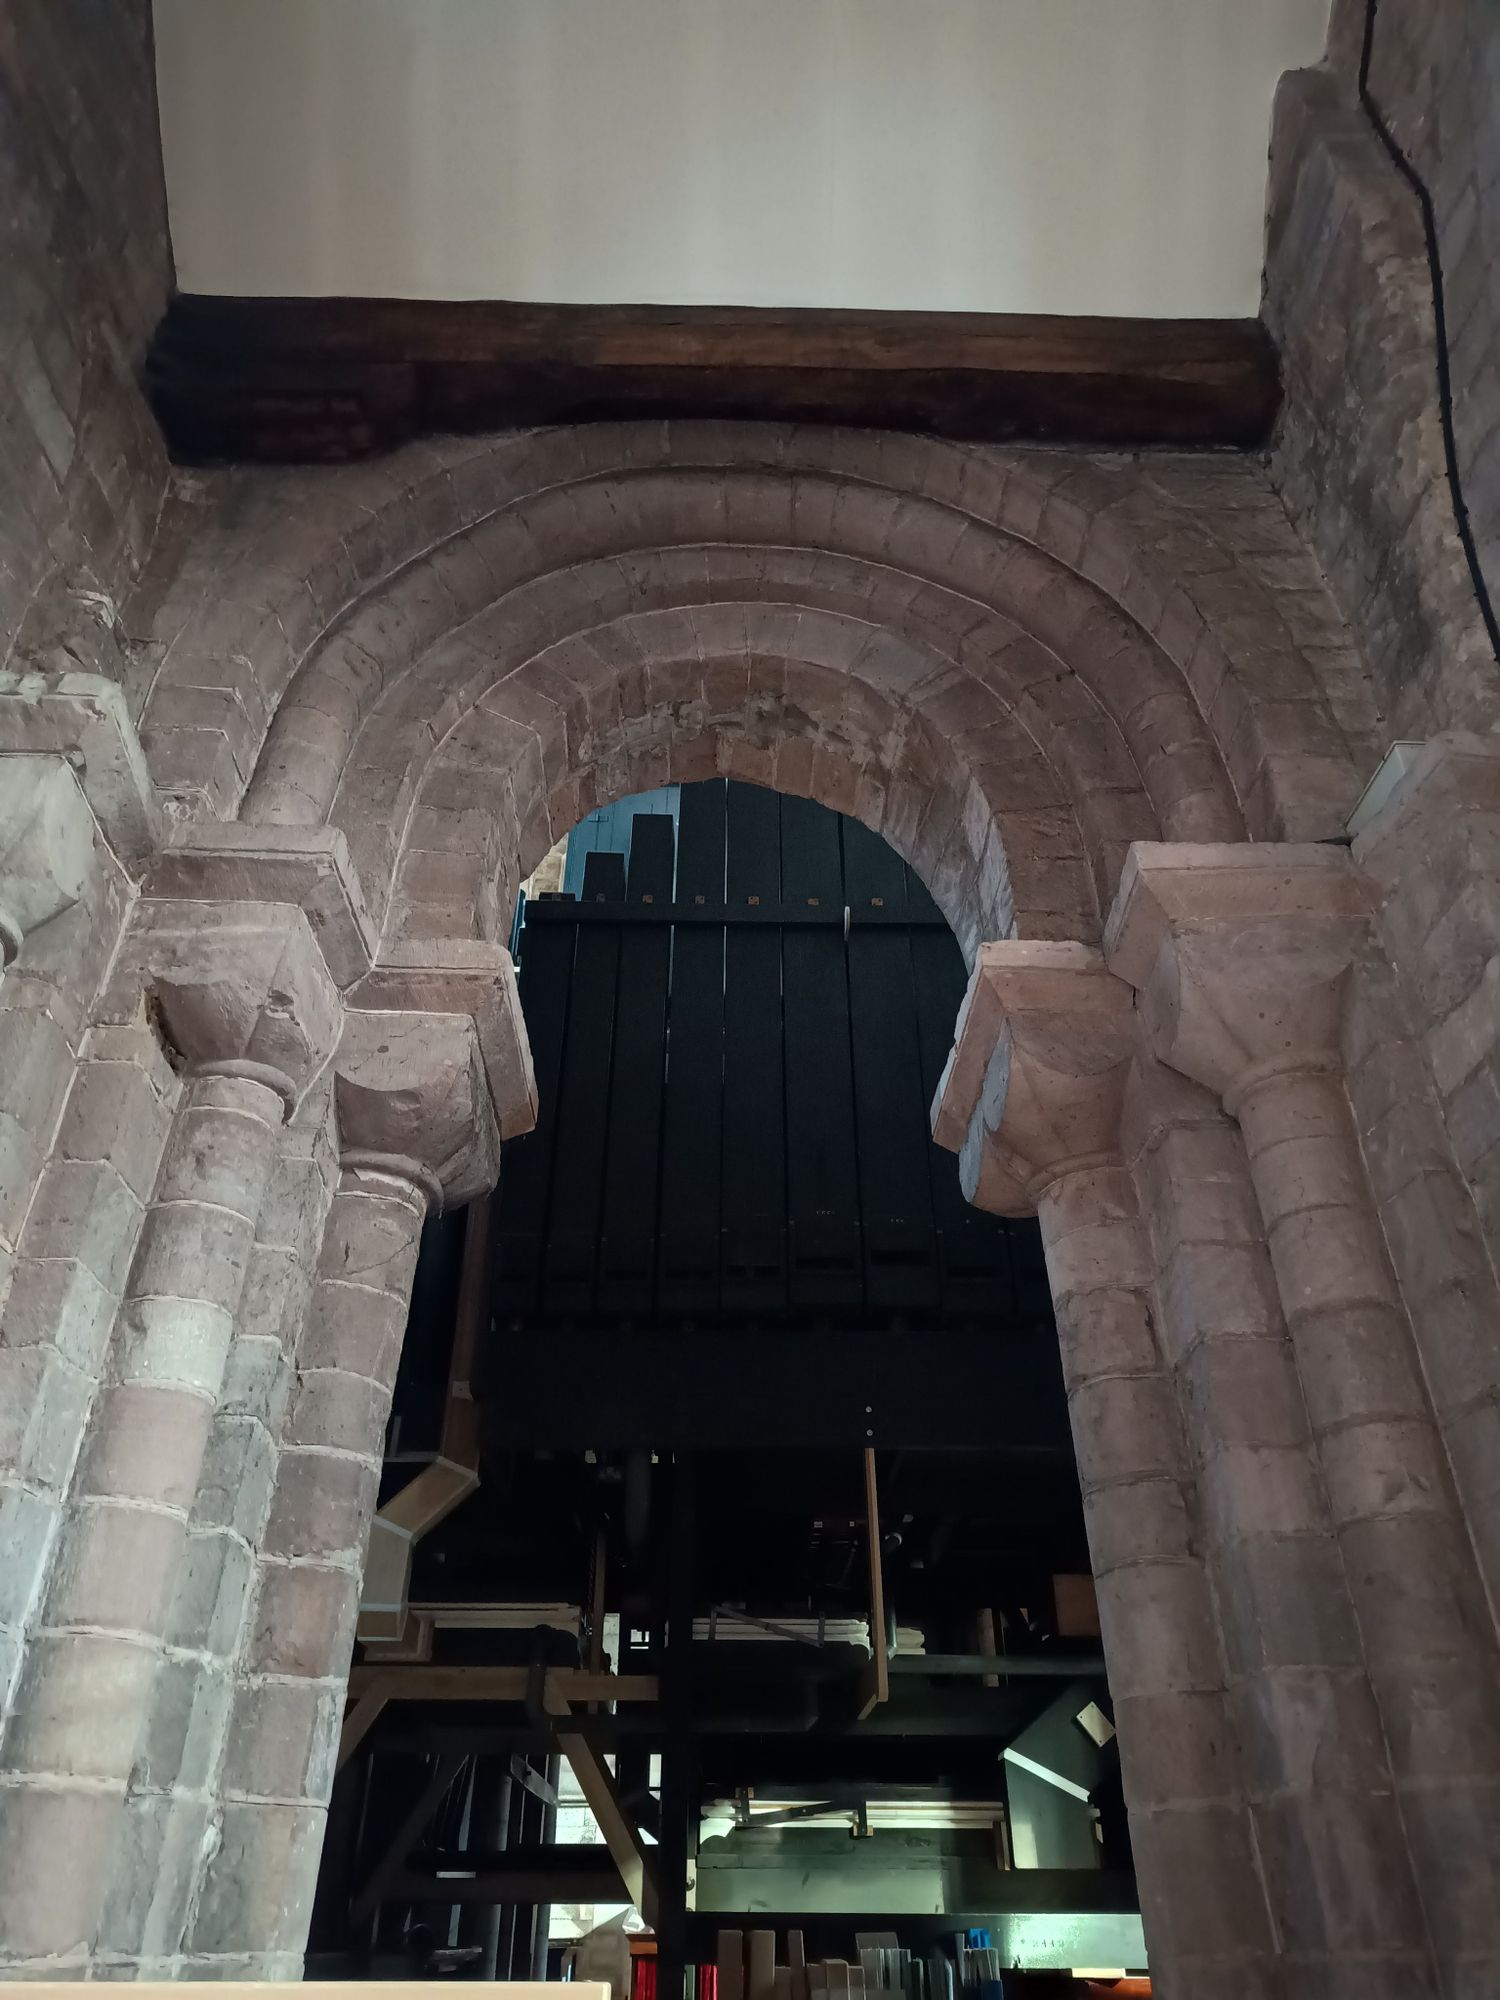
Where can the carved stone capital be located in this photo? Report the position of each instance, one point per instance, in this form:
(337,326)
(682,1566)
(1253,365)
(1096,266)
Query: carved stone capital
(1239,954)
(413,1099)
(232,986)
(1035,1084)
(46,846)
(310,866)
(469,976)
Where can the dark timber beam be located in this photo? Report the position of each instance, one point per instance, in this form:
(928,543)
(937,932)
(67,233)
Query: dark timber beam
(332,379)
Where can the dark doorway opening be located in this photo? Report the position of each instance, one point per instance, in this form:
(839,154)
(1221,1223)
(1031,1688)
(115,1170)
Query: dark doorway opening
(773,1444)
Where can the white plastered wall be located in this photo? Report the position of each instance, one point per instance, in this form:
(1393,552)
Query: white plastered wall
(1077,156)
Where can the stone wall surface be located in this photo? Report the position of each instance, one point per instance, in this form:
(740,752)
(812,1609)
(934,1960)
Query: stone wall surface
(83,474)
(1360,456)
(1435,78)
(268,781)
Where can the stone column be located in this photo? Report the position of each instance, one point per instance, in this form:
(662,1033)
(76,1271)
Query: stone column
(244,998)
(70,1203)
(1241,958)
(1039,1130)
(418,1125)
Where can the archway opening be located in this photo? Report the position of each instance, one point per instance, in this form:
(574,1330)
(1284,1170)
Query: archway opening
(765,1429)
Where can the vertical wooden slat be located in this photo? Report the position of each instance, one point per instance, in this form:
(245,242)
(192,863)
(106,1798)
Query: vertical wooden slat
(572,1254)
(754,1271)
(693,1110)
(627,1248)
(901,1266)
(822,1187)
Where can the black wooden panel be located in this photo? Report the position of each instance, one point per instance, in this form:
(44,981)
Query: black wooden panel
(701,832)
(544,981)
(627,1248)
(572,1254)
(692,1112)
(822,1189)
(901,1261)
(754,1250)
(591,1389)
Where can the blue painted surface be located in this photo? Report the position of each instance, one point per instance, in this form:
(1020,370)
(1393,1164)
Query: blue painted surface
(608,830)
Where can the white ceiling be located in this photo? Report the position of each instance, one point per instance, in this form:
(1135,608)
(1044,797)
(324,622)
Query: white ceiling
(1075,156)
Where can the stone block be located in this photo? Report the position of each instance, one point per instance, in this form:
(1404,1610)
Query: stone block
(1307,1729)
(354,1332)
(27,1521)
(78,1706)
(302,1623)
(1338,1876)
(237,1477)
(1440,1717)
(193,1250)
(1244,1392)
(59,1304)
(115,1114)
(1357,1364)
(1125,1427)
(114,1567)
(1415,1591)
(54,1847)
(283,1741)
(1176,1749)
(184,1734)
(258,1891)
(135,1449)
(156,1858)
(323,1505)
(1145,1521)
(211,1592)
(1284,1603)
(83,1209)
(339,1412)
(1200,1882)
(1158,1630)
(1385,1467)
(174,1343)
(1259,1490)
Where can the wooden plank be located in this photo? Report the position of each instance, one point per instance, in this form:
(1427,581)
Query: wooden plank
(368,1707)
(760,1982)
(575,1210)
(823,1197)
(730,1959)
(901,1264)
(754,1270)
(628,1230)
(621,1835)
(495,1684)
(877,1686)
(367,1901)
(693,1108)
(338,378)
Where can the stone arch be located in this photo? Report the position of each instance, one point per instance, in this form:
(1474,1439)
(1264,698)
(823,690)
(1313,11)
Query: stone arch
(1080,600)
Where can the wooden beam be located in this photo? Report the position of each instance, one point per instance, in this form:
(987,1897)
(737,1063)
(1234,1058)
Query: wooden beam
(621,1835)
(496,1684)
(369,1702)
(877,1680)
(331,379)
(365,1903)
